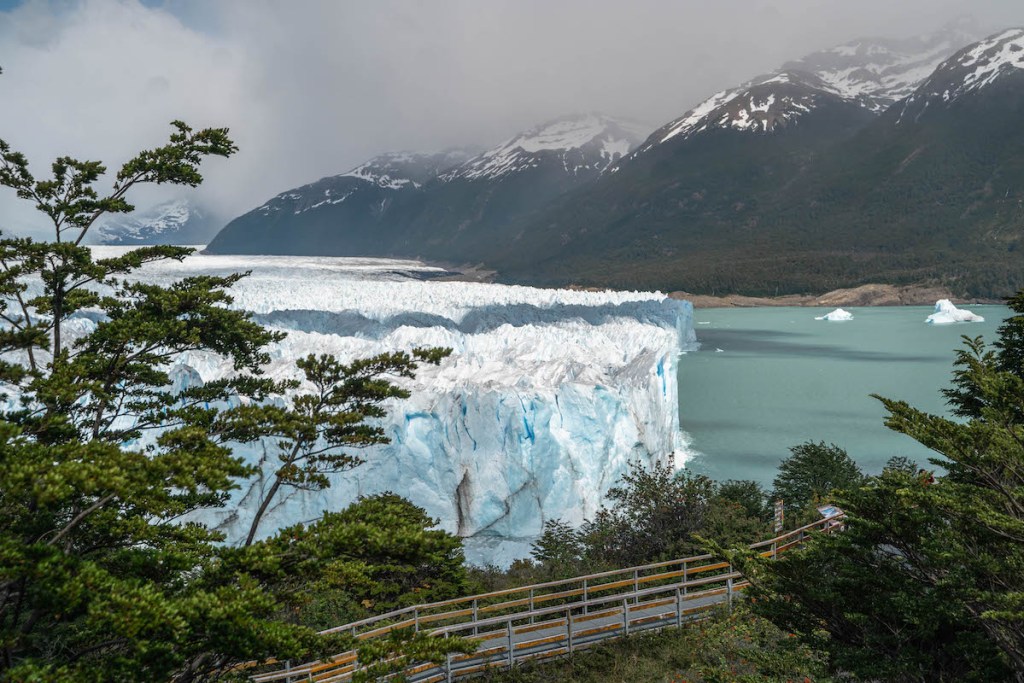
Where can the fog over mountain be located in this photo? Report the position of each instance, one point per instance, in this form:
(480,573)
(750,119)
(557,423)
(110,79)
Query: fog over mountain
(311,88)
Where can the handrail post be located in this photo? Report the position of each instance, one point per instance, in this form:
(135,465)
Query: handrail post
(685,577)
(728,588)
(679,608)
(531,605)
(775,550)
(636,585)
(475,627)
(568,626)
(416,618)
(511,647)
(586,598)
(625,616)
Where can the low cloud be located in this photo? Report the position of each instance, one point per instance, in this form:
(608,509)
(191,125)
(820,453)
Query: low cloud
(313,88)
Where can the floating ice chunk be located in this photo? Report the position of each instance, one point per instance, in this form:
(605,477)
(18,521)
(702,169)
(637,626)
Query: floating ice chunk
(837,315)
(946,313)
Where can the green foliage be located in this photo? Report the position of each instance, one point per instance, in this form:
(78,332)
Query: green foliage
(1007,355)
(379,554)
(807,478)
(652,515)
(926,581)
(559,550)
(101,458)
(333,415)
(858,595)
(736,647)
(748,495)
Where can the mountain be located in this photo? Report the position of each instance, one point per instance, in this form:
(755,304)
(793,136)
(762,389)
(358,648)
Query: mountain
(970,70)
(335,213)
(422,205)
(174,222)
(932,189)
(870,73)
(471,209)
(876,161)
(583,146)
(878,72)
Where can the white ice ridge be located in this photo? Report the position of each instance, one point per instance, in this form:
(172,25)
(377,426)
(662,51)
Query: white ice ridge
(946,313)
(837,315)
(546,398)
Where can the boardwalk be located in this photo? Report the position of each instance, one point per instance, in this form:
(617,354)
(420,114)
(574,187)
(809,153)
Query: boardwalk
(554,618)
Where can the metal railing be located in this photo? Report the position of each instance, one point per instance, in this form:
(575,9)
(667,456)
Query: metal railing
(552,618)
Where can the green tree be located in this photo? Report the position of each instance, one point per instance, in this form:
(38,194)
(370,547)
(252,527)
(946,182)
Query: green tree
(860,597)
(100,457)
(559,551)
(652,515)
(379,554)
(926,582)
(747,494)
(312,430)
(738,514)
(810,474)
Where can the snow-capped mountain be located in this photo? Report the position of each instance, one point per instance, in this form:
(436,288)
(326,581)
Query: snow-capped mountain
(879,72)
(174,222)
(970,70)
(435,206)
(471,210)
(760,106)
(833,195)
(870,73)
(394,171)
(584,144)
(350,207)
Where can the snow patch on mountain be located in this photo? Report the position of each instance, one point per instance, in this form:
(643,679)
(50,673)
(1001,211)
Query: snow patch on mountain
(970,70)
(872,73)
(396,170)
(178,221)
(588,143)
(879,72)
(391,172)
(759,106)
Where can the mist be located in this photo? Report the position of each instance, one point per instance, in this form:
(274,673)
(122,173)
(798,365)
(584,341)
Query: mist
(313,88)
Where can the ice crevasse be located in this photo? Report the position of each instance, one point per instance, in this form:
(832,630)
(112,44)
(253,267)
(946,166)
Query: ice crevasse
(546,398)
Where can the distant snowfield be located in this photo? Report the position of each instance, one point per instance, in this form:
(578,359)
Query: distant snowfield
(547,397)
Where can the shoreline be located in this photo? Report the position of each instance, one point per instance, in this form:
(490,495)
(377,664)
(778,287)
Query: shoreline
(865,295)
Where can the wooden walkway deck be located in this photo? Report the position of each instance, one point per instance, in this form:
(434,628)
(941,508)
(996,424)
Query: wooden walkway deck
(553,618)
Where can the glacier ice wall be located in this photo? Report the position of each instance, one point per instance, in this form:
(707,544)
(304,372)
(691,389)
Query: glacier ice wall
(547,396)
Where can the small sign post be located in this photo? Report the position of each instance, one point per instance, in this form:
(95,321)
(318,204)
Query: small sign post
(828,511)
(779,513)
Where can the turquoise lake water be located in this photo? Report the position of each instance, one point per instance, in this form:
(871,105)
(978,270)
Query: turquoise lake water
(781,378)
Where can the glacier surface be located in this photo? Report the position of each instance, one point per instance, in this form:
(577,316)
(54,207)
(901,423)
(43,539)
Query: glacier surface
(547,397)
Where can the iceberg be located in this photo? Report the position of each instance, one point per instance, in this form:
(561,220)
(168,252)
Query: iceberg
(946,313)
(546,399)
(837,315)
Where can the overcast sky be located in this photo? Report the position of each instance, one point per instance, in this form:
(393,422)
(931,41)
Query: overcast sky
(313,87)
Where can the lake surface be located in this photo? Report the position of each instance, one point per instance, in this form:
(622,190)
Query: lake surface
(766,379)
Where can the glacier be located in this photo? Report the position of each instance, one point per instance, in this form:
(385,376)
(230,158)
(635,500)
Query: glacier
(546,398)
